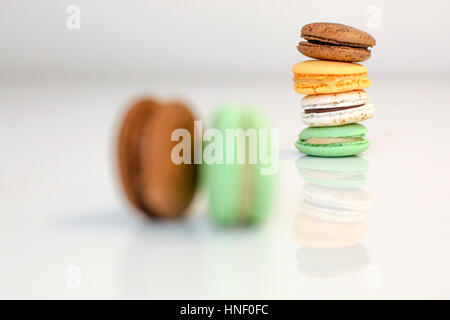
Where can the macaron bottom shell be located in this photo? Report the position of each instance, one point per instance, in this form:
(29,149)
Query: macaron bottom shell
(326,51)
(333,149)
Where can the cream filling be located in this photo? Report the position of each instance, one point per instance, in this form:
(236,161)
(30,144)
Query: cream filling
(332,83)
(335,104)
(247,192)
(247,188)
(319,141)
(360,80)
(366,110)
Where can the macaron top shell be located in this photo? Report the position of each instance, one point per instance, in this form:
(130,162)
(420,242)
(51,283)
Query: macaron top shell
(337,33)
(350,130)
(328,68)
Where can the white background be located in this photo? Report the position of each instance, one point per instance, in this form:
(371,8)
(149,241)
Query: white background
(62,96)
(208,41)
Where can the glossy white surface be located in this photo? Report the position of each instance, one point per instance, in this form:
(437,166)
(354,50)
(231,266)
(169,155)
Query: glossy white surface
(61,210)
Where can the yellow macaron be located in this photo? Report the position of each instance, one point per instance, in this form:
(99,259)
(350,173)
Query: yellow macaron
(323,76)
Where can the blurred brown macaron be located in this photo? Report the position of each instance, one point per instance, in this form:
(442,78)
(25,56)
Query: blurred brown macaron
(334,41)
(152,182)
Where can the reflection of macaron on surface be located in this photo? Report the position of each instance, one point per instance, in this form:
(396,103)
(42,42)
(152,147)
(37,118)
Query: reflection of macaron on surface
(335,205)
(336,109)
(334,41)
(323,76)
(339,141)
(345,172)
(315,233)
(153,183)
(238,192)
(332,262)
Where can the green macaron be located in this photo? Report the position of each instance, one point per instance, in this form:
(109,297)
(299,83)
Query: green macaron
(338,141)
(340,173)
(238,192)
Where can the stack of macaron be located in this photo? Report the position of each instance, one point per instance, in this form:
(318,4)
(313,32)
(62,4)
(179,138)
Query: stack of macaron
(335,100)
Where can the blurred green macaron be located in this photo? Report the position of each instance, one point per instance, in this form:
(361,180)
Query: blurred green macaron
(238,192)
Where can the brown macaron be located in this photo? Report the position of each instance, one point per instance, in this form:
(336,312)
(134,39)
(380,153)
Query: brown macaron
(334,41)
(152,182)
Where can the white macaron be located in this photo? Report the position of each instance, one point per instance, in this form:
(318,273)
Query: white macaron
(335,109)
